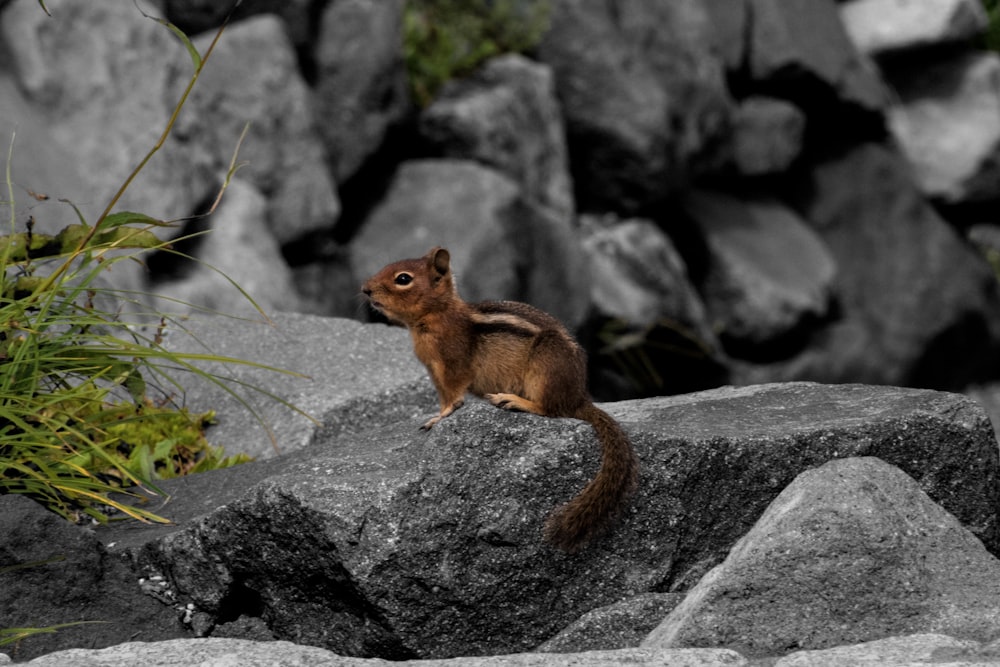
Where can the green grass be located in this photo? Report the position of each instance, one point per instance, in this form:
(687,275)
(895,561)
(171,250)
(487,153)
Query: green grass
(446,39)
(86,411)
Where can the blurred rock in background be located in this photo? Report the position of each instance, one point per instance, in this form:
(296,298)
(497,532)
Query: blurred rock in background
(707,192)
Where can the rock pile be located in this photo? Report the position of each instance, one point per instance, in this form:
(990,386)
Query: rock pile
(771,521)
(744,191)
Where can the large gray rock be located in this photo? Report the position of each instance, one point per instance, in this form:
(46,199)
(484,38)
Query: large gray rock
(195,16)
(361,89)
(186,652)
(54,572)
(888,27)
(797,45)
(620,625)
(645,314)
(644,98)
(767,135)
(849,552)
(948,125)
(240,248)
(920,649)
(399,543)
(506,115)
(304,375)
(918,305)
(503,245)
(768,273)
(252,77)
(104,111)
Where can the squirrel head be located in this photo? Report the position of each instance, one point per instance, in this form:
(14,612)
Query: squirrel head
(407,290)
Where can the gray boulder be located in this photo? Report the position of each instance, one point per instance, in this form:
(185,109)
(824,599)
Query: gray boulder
(305,377)
(186,652)
(101,114)
(398,543)
(948,126)
(645,314)
(238,247)
(195,16)
(799,46)
(769,274)
(917,305)
(503,245)
(620,625)
(253,77)
(644,98)
(849,552)
(919,649)
(361,89)
(505,115)
(767,135)
(889,27)
(54,572)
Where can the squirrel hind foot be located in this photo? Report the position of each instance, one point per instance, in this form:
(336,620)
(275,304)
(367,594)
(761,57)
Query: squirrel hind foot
(515,403)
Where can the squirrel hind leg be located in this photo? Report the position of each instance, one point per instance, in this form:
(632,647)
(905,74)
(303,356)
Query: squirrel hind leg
(515,403)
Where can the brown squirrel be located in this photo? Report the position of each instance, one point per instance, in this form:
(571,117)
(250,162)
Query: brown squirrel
(517,357)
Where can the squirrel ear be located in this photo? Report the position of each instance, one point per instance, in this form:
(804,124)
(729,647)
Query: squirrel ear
(440,259)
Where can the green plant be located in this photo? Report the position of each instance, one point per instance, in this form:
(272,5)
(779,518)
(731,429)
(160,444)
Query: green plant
(445,39)
(640,353)
(78,426)
(992,37)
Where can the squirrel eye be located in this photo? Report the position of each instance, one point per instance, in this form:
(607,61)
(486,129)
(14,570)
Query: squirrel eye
(404,279)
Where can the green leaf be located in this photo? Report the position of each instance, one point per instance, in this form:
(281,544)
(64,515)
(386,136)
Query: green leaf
(130,217)
(193,52)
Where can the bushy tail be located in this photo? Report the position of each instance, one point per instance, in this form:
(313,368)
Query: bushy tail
(572,525)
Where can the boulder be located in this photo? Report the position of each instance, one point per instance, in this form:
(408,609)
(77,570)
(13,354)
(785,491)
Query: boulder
(238,247)
(917,305)
(505,115)
(195,16)
(800,48)
(399,543)
(729,34)
(265,654)
(252,77)
(638,275)
(948,126)
(891,27)
(54,572)
(851,551)
(645,314)
(50,174)
(620,625)
(104,111)
(304,375)
(361,88)
(920,649)
(644,98)
(769,274)
(767,135)
(503,245)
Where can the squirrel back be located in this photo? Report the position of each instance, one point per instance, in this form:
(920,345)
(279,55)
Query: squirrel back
(519,358)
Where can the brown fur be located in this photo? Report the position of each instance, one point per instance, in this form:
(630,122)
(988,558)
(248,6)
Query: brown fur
(517,357)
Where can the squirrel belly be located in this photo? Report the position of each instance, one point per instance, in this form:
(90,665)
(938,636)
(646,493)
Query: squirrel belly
(517,357)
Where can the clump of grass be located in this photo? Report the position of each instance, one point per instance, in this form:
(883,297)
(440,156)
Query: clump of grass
(445,39)
(85,393)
